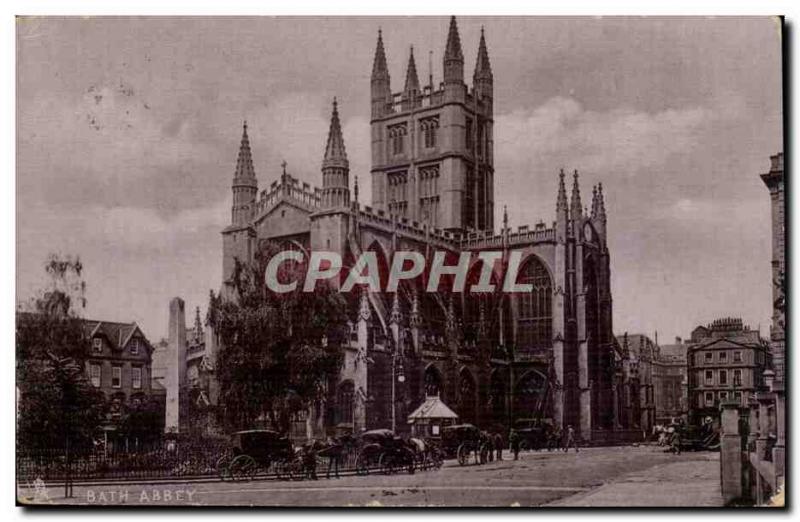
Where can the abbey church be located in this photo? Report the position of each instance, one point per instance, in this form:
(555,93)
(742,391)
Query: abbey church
(491,358)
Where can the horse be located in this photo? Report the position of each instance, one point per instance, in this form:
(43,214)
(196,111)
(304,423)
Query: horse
(335,450)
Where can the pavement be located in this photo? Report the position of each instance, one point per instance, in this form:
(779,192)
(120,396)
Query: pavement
(609,476)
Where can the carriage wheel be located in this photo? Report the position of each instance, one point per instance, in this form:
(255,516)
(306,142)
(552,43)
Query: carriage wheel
(243,467)
(223,467)
(362,465)
(463,454)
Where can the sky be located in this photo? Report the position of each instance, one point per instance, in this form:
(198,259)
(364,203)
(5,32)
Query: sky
(128,131)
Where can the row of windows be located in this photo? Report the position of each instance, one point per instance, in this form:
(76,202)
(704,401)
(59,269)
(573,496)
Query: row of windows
(722,377)
(709,398)
(428,129)
(97,345)
(722,357)
(96,373)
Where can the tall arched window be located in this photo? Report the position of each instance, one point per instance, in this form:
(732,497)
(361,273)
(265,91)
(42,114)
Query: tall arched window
(467,402)
(529,395)
(535,309)
(433,382)
(497,397)
(344,402)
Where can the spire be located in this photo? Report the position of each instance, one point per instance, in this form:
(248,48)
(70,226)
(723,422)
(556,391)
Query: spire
(576,208)
(355,190)
(453,56)
(453,49)
(379,69)
(335,154)
(244,163)
(483,69)
(380,84)
(505,217)
(335,167)
(561,199)
(412,81)
(594,203)
(601,204)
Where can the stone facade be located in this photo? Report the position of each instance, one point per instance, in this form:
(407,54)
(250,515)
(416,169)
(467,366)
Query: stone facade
(637,383)
(726,362)
(492,359)
(671,382)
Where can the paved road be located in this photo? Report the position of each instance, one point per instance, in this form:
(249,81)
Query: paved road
(537,479)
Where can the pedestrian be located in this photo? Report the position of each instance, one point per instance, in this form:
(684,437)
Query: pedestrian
(498,444)
(515,442)
(310,461)
(676,441)
(571,440)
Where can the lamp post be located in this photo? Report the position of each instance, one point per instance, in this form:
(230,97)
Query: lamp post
(398,375)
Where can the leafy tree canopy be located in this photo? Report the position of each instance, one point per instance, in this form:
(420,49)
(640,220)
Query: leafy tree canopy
(277,351)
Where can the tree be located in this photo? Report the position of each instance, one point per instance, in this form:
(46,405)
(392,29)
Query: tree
(277,351)
(56,402)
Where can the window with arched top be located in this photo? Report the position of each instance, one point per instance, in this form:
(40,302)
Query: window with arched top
(467,402)
(433,382)
(344,402)
(535,308)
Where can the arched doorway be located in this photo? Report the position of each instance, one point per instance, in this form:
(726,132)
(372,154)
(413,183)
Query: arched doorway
(433,382)
(467,397)
(529,395)
(498,394)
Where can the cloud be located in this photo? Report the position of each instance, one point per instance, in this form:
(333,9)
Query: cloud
(623,141)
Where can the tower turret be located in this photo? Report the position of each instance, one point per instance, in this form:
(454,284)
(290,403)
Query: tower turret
(453,63)
(575,207)
(245,184)
(482,79)
(411,90)
(562,210)
(335,167)
(601,219)
(380,81)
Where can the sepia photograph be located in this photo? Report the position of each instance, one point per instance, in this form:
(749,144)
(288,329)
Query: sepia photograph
(400,261)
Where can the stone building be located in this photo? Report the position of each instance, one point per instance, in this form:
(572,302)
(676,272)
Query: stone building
(635,392)
(767,426)
(119,364)
(191,387)
(492,359)
(726,362)
(671,382)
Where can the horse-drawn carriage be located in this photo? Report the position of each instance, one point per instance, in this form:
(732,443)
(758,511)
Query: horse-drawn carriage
(533,433)
(258,451)
(383,450)
(462,440)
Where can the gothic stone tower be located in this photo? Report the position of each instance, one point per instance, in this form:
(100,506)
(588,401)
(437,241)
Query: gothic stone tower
(238,238)
(432,148)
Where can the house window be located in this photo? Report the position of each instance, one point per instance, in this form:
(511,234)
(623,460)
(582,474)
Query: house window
(709,357)
(723,356)
(136,377)
(94,374)
(723,377)
(116,376)
(709,377)
(737,377)
(709,398)
(97,344)
(737,356)
(723,396)
(134,346)
(738,397)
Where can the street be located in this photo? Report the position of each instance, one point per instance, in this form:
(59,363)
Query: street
(618,476)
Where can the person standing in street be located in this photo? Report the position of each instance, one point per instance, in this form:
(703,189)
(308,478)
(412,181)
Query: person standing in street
(571,440)
(514,440)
